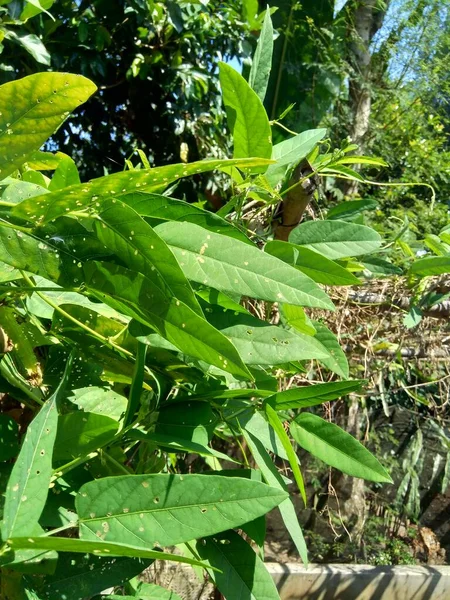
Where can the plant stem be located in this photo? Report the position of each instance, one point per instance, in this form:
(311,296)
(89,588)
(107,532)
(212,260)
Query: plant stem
(19,290)
(137,383)
(114,462)
(76,462)
(59,529)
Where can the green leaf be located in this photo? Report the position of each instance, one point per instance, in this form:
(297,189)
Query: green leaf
(28,485)
(97,546)
(274,479)
(45,161)
(34,7)
(262,59)
(151,591)
(17,190)
(247,117)
(164,510)
(361,160)
(163,208)
(336,360)
(295,316)
(277,426)
(170,443)
(259,343)
(348,173)
(24,337)
(9,437)
(291,151)
(314,265)
(434,265)
(99,400)
(66,173)
(379,267)
(229,265)
(33,45)
(79,433)
(41,309)
(33,108)
(311,395)
(336,239)
(413,317)
(337,448)
(122,230)
(131,292)
(93,193)
(81,576)
(31,254)
(241,574)
(346,210)
(193,421)
(258,426)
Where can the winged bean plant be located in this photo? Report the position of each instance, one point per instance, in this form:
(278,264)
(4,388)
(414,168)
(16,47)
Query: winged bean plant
(132,363)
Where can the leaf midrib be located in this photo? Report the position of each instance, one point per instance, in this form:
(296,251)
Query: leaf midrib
(172,508)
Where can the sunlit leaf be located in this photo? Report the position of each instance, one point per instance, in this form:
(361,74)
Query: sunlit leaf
(229,265)
(93,193)
(163,510)
(337,448)
(32,108)
(247,117)
(336,239)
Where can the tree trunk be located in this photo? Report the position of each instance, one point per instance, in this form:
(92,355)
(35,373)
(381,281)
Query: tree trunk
(364,18)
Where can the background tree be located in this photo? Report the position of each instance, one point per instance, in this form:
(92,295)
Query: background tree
(155,64)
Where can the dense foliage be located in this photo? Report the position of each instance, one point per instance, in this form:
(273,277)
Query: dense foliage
(144,341)
(126,342)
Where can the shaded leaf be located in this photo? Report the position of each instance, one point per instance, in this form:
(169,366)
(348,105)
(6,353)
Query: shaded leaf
(79,576)
(98,547)
(79,433)
(9,438)
(241,574)
(351,208)
(136,296)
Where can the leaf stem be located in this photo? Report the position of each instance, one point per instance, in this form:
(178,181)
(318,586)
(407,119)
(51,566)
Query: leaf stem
(137,383)
(99,336)
(76,462)
(115,462)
